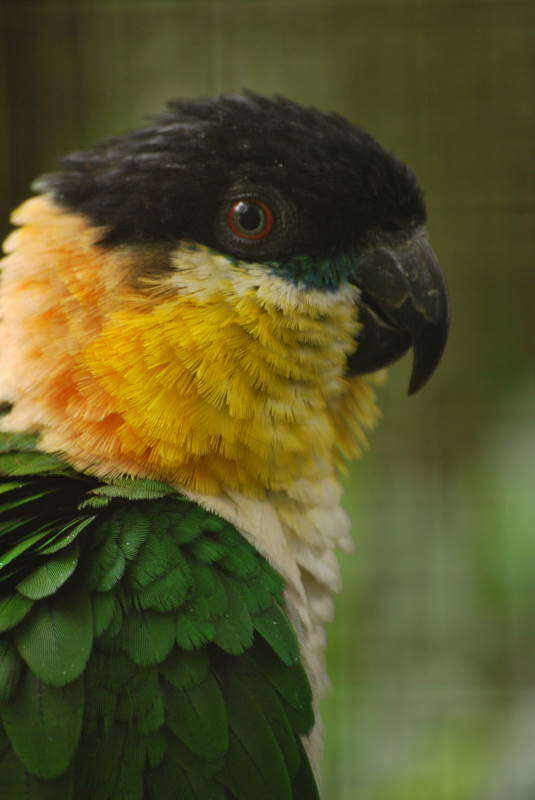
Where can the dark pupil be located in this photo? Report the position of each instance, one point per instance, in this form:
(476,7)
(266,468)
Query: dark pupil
(249,217)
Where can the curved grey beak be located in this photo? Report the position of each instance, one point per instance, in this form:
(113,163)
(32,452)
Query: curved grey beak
(403,302)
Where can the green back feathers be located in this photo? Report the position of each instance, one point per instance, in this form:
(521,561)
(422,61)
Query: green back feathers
(144,648)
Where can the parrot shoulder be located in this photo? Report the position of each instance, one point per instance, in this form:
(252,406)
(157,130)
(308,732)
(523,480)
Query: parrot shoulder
(145,650)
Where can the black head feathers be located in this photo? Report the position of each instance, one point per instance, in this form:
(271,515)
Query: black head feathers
(329,184)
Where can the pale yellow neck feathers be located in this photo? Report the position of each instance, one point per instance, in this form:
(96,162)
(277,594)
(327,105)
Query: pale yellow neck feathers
(207,375)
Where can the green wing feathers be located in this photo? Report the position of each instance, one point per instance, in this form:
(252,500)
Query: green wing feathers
(145,652)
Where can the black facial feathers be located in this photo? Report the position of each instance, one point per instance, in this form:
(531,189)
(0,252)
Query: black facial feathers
(170,180)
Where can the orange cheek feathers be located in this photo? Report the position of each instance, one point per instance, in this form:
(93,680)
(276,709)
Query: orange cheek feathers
(224,387)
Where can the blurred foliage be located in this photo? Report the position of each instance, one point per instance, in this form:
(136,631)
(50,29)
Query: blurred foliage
(431,653)
(435,697)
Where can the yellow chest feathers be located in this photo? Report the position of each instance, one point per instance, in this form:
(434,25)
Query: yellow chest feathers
(208,374)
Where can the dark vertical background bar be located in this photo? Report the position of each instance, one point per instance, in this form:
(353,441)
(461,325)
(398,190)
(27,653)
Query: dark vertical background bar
(42,97)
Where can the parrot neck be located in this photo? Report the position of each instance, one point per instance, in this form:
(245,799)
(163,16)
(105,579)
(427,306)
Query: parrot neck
(210,375)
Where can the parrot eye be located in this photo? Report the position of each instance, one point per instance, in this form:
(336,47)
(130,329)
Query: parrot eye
(255,222)
(250,218)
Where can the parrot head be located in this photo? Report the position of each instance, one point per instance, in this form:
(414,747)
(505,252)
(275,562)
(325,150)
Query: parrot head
(200,299)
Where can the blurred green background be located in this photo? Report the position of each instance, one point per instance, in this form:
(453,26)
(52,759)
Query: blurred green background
(432,654)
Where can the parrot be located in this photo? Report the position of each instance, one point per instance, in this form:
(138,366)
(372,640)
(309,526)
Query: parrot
(194,318)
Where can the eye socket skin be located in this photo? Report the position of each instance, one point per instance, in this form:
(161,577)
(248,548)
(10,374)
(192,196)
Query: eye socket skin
(256,222)
(250,218)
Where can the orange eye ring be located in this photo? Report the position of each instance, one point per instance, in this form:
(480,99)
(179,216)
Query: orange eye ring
(250,218)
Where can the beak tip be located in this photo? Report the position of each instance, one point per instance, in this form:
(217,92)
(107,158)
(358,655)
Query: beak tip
(416,383)
(428,349)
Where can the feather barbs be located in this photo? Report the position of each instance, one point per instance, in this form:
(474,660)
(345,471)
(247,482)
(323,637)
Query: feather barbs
(209,374)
